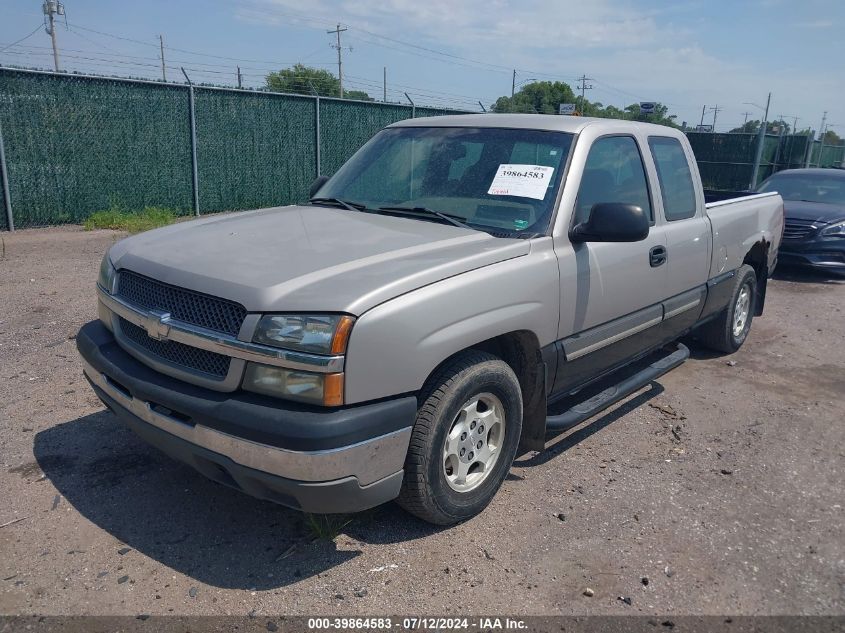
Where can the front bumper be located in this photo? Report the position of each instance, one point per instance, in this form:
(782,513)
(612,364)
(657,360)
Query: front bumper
(819,252)
(308,458)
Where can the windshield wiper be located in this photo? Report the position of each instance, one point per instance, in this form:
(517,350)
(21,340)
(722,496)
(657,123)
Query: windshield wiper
(347,204)
(452,219)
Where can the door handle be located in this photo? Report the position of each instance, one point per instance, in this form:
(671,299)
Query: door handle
(657,256)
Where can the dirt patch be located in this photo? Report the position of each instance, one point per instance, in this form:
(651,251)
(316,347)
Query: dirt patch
(722,484)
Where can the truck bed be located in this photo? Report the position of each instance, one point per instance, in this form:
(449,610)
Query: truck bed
(751,216)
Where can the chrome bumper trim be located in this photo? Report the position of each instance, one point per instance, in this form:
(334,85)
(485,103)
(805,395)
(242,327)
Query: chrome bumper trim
(368,461)
(161,326)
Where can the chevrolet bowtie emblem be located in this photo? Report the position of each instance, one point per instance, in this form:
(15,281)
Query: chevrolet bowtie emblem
(157,325)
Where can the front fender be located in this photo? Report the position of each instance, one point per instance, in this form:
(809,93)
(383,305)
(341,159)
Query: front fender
(395,346)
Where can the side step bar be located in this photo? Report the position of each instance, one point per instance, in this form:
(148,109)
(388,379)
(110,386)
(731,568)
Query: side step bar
(612,395)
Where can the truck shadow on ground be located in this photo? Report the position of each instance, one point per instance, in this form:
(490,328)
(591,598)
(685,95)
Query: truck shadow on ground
(807,275)
(172,514)
(558,442)
(222,537)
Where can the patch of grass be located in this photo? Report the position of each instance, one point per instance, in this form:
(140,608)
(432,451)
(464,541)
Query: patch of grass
(326,526)
(119,219)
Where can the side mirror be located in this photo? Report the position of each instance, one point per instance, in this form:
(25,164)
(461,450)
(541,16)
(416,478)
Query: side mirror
(319,181)
(612,222)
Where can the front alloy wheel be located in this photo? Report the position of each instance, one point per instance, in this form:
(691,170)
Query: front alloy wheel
(464,439)
(474,443)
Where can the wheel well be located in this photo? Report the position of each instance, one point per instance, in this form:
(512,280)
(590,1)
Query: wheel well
(521,351)
(758,259)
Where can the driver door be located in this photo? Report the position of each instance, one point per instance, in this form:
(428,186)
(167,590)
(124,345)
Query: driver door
(611,292)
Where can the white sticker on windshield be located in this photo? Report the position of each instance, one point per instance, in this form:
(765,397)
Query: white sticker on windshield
(524,181)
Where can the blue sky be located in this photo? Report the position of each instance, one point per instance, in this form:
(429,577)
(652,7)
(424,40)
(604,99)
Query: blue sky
(448,52)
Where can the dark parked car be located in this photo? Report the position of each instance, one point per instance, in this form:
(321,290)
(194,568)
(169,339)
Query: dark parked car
(814,206)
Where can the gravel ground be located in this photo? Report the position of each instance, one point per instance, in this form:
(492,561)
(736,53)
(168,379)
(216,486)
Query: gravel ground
(719,489)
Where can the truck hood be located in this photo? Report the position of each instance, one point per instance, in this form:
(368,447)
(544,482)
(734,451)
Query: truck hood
(309,258)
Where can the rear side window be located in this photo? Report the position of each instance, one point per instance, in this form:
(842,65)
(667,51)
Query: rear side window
(674,176)
(613,172)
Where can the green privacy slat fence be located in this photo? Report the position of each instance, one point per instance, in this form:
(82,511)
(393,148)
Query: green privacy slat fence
(78,144)
(73,146)
(347,125)
(831,155)
(726,161)
(253,149)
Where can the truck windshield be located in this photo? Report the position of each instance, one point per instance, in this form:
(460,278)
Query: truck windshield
(493,179)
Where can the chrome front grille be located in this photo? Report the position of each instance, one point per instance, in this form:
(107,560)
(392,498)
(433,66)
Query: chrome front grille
(795,229)
(192,358)
(184,305)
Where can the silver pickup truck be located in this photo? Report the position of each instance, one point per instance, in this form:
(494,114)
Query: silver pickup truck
(404,334)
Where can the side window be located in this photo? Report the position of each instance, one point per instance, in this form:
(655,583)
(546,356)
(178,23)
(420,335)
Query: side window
(674,176)
(614,172)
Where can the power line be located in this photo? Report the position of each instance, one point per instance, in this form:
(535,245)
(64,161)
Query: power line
(25,37)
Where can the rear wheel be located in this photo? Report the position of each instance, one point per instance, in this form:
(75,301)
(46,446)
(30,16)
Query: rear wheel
(727,332)
(464,439)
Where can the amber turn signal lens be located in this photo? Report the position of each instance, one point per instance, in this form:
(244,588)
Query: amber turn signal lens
(333,390)
(341,335)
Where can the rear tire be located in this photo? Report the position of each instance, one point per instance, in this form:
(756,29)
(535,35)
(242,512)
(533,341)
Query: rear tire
(728,331)
(464,440)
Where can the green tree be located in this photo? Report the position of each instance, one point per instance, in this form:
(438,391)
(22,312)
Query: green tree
(660,115)
(539,97)
(305,80)
(360,95)
(772,127)
(831,138)
(545,97)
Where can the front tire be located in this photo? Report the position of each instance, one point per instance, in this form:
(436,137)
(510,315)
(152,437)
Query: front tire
(727,332)
(464,440)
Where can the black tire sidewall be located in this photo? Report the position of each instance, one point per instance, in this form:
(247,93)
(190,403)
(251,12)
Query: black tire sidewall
(747,278)
(490,377)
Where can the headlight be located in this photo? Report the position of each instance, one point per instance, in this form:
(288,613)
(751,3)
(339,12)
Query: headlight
(107,274)
(834,230)
(315,333)
(304,386)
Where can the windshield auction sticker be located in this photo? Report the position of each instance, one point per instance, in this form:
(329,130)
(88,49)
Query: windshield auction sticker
(523,181)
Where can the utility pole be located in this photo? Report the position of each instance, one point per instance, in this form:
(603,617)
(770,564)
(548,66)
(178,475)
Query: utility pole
(808,154)
(385,84)
(716,111)
(821,127)
(821,139)
(513,85)
(584,79)
(822,133)
(761,140)
(161,46)
(703,110)
(745,121)
(51,9)
(339,48)
(240,78)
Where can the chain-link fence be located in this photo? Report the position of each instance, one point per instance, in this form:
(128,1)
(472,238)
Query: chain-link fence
(726,161)
(76,144)
(73,144)
(827,155)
